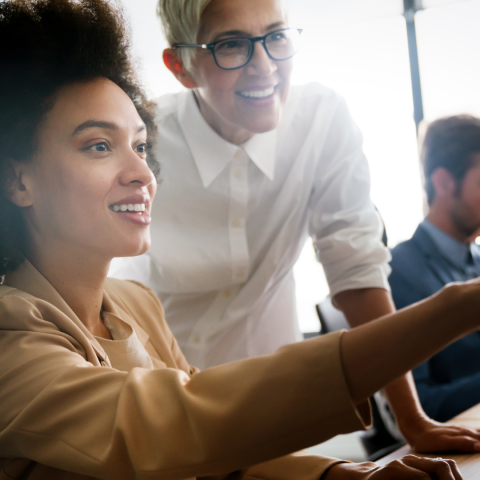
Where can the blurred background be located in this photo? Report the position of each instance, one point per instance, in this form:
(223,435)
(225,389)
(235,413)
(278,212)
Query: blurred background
(360,48)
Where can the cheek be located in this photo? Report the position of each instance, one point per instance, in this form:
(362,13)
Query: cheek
(471,191)
(472,202)
(285,69)
(221,84)
(69,194)
(52,187)
(152,189)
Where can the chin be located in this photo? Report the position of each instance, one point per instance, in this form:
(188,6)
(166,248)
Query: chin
(263,127)
(130,249)
(263,122)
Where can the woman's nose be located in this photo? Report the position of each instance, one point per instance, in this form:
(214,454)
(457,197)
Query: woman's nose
(260,63)
(136,171)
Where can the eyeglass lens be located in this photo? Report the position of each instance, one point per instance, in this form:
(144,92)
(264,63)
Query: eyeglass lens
(236,52)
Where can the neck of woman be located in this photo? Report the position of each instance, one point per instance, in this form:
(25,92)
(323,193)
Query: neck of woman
(79,279)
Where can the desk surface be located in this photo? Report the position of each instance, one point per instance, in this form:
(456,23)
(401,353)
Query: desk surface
(469,463)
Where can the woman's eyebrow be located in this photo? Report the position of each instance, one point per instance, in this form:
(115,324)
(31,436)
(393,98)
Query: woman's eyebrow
(275,25)
(241,33)
(95,124)
(102,124)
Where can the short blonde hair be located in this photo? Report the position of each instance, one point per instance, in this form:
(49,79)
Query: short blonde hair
(181,22)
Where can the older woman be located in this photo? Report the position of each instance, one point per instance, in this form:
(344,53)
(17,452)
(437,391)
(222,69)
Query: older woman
(252,167)
(92,383)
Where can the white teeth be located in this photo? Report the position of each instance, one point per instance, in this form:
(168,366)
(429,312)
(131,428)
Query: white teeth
(137,207)
(257,93)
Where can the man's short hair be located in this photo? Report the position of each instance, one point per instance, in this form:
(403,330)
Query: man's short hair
(450,143)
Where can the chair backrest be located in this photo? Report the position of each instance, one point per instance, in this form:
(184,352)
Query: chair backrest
(331,319)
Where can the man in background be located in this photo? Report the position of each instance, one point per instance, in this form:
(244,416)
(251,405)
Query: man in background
(442,250)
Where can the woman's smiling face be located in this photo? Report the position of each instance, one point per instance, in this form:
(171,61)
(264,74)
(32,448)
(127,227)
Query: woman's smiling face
(89,166)
(249,100)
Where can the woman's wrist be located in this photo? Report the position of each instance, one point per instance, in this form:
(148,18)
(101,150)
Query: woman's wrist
(350,471)
(462,301)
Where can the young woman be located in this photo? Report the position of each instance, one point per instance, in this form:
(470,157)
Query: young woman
(92,383)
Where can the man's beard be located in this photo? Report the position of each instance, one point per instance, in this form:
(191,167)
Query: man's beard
(462,219)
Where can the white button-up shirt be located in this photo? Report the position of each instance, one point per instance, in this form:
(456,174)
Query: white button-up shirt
(229,223)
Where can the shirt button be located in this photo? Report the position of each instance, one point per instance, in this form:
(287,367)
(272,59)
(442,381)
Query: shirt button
(240,272)
(196,338)
(238,173)
(236,223)
(227,293)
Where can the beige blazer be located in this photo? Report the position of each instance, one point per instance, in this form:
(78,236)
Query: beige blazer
(66,414)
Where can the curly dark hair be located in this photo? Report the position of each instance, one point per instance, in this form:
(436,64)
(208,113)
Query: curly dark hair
(47,44)
(451,143)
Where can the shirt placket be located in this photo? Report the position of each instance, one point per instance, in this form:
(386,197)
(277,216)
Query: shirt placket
(239,258)
(237,215)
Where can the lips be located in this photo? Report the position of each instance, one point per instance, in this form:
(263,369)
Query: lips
(133,203)
(133,208)
(257,93)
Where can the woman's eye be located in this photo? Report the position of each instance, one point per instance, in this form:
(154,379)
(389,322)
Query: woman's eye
(229,45)
(142,148)
(278,37)
(99,147)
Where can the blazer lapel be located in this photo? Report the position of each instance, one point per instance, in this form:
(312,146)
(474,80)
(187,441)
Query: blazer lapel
(29,280)
(436,261)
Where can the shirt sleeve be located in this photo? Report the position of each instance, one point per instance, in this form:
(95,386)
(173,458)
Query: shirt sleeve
(61,411)
(344,224)
(297,466)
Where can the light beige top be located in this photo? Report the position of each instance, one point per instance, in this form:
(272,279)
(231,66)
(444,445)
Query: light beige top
(125,350)
(66,414)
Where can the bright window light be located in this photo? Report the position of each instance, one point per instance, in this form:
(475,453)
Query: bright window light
(359,48)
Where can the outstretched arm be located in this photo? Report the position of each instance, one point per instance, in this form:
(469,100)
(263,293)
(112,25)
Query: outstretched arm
(422,433)
(105,423)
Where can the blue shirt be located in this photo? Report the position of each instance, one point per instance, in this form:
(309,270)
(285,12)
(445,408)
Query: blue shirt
(465,259)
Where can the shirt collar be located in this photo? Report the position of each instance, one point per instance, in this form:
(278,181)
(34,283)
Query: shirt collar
(261,150)
(29,280)
(113,308)
(454,251)
(212,153)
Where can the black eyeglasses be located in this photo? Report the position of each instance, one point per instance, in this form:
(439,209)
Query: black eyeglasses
(236,52)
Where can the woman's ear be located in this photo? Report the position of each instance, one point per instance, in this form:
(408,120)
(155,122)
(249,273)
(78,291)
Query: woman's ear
(176,66)
(19,191)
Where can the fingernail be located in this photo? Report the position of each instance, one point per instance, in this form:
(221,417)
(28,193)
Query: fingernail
(476,446)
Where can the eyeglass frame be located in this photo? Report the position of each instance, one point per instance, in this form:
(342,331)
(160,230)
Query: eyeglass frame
(252,40)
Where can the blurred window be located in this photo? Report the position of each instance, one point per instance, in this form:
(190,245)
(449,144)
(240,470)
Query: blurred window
(448,40)
(359,48)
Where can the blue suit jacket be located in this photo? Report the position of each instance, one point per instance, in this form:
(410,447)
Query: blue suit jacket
(449,382)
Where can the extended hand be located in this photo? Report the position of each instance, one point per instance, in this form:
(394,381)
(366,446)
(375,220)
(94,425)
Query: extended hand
(408,467)
(426,435)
